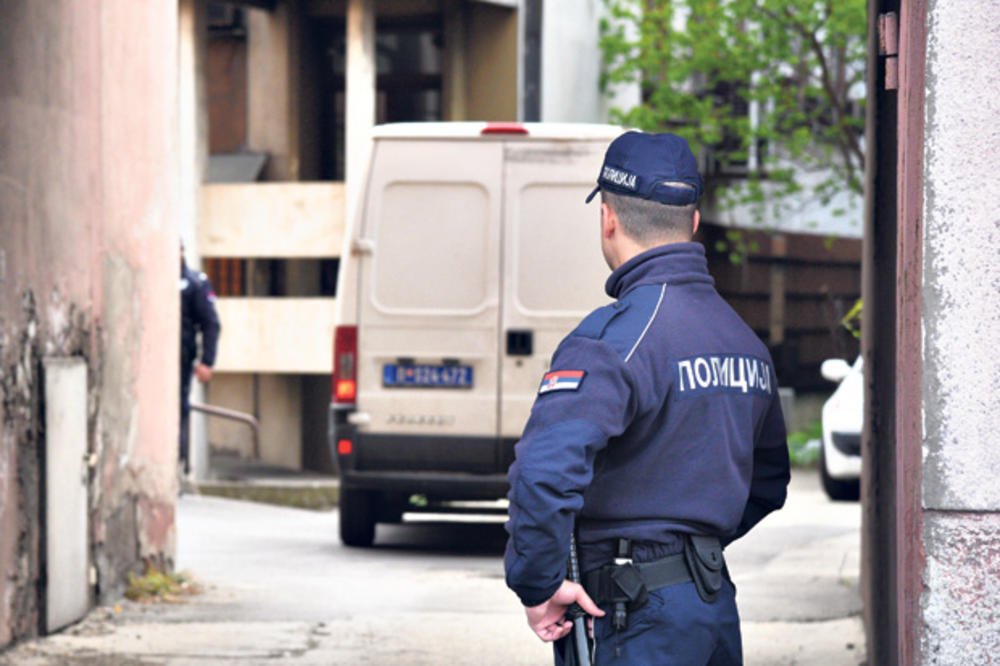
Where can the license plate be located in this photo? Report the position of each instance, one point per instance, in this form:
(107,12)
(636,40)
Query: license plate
(447,376)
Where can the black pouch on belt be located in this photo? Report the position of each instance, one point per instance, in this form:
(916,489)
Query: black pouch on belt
(630,594)
(630,586)
(703,555)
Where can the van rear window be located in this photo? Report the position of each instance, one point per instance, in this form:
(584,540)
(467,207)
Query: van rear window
(433,247)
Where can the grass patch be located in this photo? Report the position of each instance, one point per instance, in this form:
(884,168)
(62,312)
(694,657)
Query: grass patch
(156,585)
(322,497)
(801,451)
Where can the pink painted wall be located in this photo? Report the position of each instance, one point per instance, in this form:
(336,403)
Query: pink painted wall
(88,267)
(139,163)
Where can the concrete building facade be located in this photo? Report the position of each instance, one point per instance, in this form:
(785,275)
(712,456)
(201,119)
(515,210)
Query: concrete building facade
(88,303)
(290,90)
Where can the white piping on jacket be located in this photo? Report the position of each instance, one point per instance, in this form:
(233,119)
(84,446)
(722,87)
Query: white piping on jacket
(649,323)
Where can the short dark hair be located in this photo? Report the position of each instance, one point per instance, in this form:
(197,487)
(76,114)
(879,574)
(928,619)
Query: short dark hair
(647,221)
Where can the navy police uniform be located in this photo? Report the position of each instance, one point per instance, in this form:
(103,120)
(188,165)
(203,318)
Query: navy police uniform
(659,418)
(197,316)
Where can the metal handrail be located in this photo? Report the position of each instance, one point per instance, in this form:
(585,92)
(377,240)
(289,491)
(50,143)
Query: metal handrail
(234,415)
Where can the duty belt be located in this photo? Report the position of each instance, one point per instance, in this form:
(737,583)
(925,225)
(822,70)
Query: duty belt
(626,584)
(603,584)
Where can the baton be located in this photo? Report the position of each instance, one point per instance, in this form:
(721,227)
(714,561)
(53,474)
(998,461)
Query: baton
(579,624)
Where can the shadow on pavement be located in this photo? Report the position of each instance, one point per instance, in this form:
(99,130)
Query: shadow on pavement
(443,537)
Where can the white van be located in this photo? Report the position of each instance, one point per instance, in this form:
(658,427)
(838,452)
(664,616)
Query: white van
(471,256)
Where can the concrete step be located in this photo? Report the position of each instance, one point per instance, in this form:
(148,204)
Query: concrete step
(255,481)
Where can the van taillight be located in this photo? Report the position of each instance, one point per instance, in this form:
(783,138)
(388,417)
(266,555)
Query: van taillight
(345,356)
(504,128)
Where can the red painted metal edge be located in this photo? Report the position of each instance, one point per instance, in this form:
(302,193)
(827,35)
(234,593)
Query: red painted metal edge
(910,556)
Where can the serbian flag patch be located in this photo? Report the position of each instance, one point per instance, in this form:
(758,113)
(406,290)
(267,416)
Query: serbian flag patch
(561,380)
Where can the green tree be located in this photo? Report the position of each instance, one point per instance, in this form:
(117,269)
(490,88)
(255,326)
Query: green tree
(774,87)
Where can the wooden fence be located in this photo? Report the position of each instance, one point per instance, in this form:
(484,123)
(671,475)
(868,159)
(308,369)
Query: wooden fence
(793,290)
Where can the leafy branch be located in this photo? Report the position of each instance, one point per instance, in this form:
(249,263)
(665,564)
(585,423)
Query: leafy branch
(775,88)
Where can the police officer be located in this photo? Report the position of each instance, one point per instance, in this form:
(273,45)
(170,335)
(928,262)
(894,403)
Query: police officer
(657,430)
(197,316)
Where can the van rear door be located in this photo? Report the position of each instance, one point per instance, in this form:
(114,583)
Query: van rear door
(553,263)
(428,315)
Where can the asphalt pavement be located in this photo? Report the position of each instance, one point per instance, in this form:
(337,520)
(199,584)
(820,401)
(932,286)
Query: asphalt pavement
(279,588)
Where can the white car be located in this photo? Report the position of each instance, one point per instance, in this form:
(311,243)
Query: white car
(843,416)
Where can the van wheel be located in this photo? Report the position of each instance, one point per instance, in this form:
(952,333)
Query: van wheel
(357,517)
(839,490)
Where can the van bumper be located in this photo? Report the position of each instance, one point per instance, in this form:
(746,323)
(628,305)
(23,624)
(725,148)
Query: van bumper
(442,485)
(439,466)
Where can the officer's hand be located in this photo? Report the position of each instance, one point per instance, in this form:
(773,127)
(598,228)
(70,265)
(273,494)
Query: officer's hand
(548,619)
(203,373)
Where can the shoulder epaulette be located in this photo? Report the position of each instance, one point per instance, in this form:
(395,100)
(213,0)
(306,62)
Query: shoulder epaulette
(594,324)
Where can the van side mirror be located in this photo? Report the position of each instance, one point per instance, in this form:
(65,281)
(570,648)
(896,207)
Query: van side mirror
(835,369)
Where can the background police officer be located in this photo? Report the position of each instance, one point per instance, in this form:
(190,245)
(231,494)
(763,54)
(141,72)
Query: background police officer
(198,316)
(658,431)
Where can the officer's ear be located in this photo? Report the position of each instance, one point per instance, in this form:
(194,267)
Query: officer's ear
(694,225)
(609,221)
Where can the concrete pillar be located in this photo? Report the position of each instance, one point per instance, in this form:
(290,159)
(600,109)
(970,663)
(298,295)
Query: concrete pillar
(193,152)
(360,96)
(569,85)
(491,57)
(960,599)
(192,118)
(273,88)
(453,82)
(281,420)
